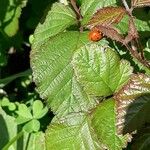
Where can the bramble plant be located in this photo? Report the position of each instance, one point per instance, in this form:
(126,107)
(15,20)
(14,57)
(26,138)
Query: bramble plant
(90,63)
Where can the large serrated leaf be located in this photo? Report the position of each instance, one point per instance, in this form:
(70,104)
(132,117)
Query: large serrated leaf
(74,134)
(93,131)
(10,11)
(100,70)
(58,19)
(53,73)
(107,16)
(140,3)
(133,103)
(36,142)
(104,124)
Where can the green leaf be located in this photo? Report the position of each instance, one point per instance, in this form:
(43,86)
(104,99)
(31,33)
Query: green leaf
(95,130)
(141,25)
(5,102)
(74,134)
(5,81)
(35,141)
(24,114)
(9,129)
(38,110)
(100,70)
(133,103)
(142,143)
(89,7)
(141,140)
(103,121)
(32,126)
(51,63)
(142,67)
(58,19)
(10,12)
(21,120)
(12,107)
(53,73)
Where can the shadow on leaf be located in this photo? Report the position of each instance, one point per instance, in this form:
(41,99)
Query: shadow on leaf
(4,136)
(137,114)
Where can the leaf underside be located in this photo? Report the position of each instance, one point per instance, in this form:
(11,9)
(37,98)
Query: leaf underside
(140,3)
(132,104)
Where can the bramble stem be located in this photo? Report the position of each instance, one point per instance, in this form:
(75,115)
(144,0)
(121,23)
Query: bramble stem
(136,55)
(77,11)
(134,52)
(126,5)
(78,14)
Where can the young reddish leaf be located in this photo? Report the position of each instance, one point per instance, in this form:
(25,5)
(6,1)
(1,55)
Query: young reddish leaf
(132,104)
(111,32)
(106,16)
(140,3)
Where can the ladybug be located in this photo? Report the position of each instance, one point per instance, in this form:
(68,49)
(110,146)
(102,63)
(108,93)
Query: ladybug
(95,35)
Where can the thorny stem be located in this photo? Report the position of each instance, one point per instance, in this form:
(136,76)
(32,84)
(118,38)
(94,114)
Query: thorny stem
(136,38)
(140,47)
(73,3)
(136,55)
(125,5)
(129,10)
(133,49)
(78,14)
